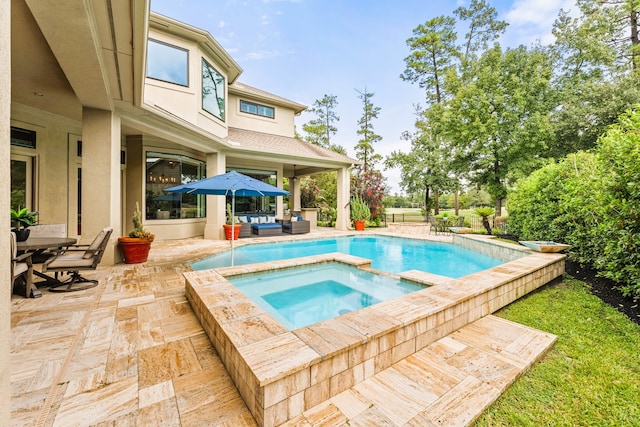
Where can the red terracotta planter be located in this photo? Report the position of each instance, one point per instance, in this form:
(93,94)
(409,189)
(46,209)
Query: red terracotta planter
(359,225)
(228,230)
(134,250)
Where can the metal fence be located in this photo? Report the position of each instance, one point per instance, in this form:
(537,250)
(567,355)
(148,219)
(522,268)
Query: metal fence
(473,221)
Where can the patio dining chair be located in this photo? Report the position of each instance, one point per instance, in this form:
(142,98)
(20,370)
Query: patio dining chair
(78,258)
(21,267)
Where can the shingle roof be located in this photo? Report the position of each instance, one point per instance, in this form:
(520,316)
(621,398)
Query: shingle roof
(247,140)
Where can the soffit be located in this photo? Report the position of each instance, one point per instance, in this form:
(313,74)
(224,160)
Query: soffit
(36,78)
(78,49)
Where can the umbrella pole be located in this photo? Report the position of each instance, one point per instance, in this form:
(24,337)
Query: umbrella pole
(233,221)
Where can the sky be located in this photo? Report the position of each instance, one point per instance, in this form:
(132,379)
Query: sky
(304,49)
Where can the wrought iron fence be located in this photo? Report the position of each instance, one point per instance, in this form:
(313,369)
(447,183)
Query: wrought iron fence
(473,221)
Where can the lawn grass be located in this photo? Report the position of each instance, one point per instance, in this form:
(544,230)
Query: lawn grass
(592,375)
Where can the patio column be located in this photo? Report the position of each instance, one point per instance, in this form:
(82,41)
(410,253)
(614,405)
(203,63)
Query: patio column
(5,150)
(294,185)
(344,185)
(101,201)
(216,207)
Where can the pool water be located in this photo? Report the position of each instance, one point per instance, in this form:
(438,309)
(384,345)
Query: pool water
(301,296)
(390,254)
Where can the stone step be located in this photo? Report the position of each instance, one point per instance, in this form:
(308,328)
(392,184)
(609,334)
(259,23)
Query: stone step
(448,383)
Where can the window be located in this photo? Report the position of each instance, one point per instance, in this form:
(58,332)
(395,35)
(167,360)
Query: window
(168,170)
(23,137)
(167,63)
(253,204)
(257,109)
(213,90)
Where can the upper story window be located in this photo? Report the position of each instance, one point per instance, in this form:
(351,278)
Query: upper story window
(213,90)
(257,109)
(167,63)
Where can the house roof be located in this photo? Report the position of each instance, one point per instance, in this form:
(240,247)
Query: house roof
(240,89)
(251,141)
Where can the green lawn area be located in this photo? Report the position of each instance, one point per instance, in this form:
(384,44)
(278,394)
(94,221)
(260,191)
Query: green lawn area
(592,375)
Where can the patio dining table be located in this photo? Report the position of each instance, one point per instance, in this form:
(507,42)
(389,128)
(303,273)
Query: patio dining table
(39,245)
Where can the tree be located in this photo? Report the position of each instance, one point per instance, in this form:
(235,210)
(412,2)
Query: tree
(432,65)
(364,147)
(433,51)
(425,168)
(595,55)
(320,130)
(497,121)
(483,28)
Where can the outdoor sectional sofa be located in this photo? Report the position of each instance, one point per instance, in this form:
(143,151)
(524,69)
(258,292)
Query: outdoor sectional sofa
(259,224)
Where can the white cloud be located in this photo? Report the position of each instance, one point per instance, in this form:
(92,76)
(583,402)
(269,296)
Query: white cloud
(531,20)
(222,24)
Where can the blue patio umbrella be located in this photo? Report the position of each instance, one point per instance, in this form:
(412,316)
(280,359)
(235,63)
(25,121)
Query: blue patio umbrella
(231,183)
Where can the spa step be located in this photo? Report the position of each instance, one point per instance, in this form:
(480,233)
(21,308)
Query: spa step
(448,383)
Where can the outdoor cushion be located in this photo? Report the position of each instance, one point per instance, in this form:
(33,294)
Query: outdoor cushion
(266,225)
(255,220)
(242,219)
(294,218)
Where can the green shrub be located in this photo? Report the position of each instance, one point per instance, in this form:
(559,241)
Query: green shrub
(590,200)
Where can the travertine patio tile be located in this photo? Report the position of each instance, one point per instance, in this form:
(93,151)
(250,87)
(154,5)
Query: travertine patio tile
(166,361)
(106,403)
(485,366)
(330,336)
(351,403)
(110,355)
(156,393)
(373,416)
(178,327)
(395,395)
(162,413)
(274,357)
(462,404)
(245,332)
(370,323)
(325,414)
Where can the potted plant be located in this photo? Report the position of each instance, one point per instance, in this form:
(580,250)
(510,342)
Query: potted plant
(230,228)
(22,218)
(135,247)
(360,213)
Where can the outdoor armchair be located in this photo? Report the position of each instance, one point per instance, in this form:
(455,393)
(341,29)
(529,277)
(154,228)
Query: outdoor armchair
(78,258)
(21,267)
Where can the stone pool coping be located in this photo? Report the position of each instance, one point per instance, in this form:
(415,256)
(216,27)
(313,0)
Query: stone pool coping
(281,373)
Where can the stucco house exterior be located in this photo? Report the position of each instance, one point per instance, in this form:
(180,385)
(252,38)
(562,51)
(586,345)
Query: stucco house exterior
(112,103)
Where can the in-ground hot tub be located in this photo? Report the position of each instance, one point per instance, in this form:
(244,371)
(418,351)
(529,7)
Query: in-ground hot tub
(304,295)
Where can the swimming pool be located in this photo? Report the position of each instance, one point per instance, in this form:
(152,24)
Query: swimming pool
(301,296)
(389,254)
